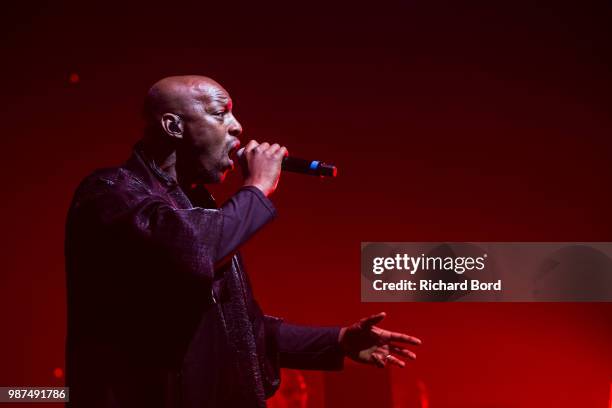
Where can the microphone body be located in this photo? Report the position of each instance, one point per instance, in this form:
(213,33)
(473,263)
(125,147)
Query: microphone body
(310,167)
(303,166)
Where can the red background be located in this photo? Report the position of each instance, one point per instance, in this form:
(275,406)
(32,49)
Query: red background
(471,122)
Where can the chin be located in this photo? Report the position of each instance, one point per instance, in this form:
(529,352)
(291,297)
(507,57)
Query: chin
(213,175)
(221,178)
(213,178)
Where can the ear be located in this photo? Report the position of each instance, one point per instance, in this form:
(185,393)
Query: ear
(172,125)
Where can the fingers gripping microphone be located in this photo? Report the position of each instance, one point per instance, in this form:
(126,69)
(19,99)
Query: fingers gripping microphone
(303,166)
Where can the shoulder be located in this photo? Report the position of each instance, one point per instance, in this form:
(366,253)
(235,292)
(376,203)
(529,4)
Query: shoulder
(113,183)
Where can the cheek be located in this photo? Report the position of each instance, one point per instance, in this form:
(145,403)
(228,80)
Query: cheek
(198,134)
(210,138)
(207,142)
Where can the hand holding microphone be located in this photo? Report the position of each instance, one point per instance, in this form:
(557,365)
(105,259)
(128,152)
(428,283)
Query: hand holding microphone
(263,153)
(261,164)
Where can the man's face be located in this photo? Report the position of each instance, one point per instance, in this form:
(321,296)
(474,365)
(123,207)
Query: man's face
(210,134)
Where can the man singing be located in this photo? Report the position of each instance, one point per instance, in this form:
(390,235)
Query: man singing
(160,309)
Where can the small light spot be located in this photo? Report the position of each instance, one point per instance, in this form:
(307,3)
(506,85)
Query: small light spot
(58,373)
(74,78)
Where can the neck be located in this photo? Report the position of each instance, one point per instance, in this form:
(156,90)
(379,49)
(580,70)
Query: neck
(162,153)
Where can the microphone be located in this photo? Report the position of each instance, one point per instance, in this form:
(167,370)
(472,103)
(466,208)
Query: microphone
(310,167)
(303,166)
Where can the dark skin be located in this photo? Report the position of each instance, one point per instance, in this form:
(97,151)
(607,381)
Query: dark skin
(364,342)
(191,133)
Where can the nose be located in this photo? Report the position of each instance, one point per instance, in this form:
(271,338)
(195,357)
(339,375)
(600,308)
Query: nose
(235,129)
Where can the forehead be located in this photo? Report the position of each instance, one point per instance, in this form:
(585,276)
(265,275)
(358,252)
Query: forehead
(209,93)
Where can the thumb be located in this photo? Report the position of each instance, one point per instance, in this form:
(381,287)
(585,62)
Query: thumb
(368,322)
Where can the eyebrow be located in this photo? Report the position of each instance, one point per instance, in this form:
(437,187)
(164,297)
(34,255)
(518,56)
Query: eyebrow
(222,99)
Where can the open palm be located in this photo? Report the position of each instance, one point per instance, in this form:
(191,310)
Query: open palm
(366,343)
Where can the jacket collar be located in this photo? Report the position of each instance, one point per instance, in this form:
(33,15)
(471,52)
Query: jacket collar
(147,171)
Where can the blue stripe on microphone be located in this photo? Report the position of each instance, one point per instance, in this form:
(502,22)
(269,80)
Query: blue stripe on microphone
(314,165)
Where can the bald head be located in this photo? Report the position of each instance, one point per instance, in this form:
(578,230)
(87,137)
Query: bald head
(192,116)
(180,95)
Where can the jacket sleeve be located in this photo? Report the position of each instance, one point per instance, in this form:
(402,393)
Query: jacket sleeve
(309,348)
(244,214)
(128,214)
(193,239)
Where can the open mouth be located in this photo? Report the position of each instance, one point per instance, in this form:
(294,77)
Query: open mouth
(232,153)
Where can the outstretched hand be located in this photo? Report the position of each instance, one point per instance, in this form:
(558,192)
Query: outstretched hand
(369,344)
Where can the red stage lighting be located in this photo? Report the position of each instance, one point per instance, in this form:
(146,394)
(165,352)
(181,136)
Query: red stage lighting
(58,373)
